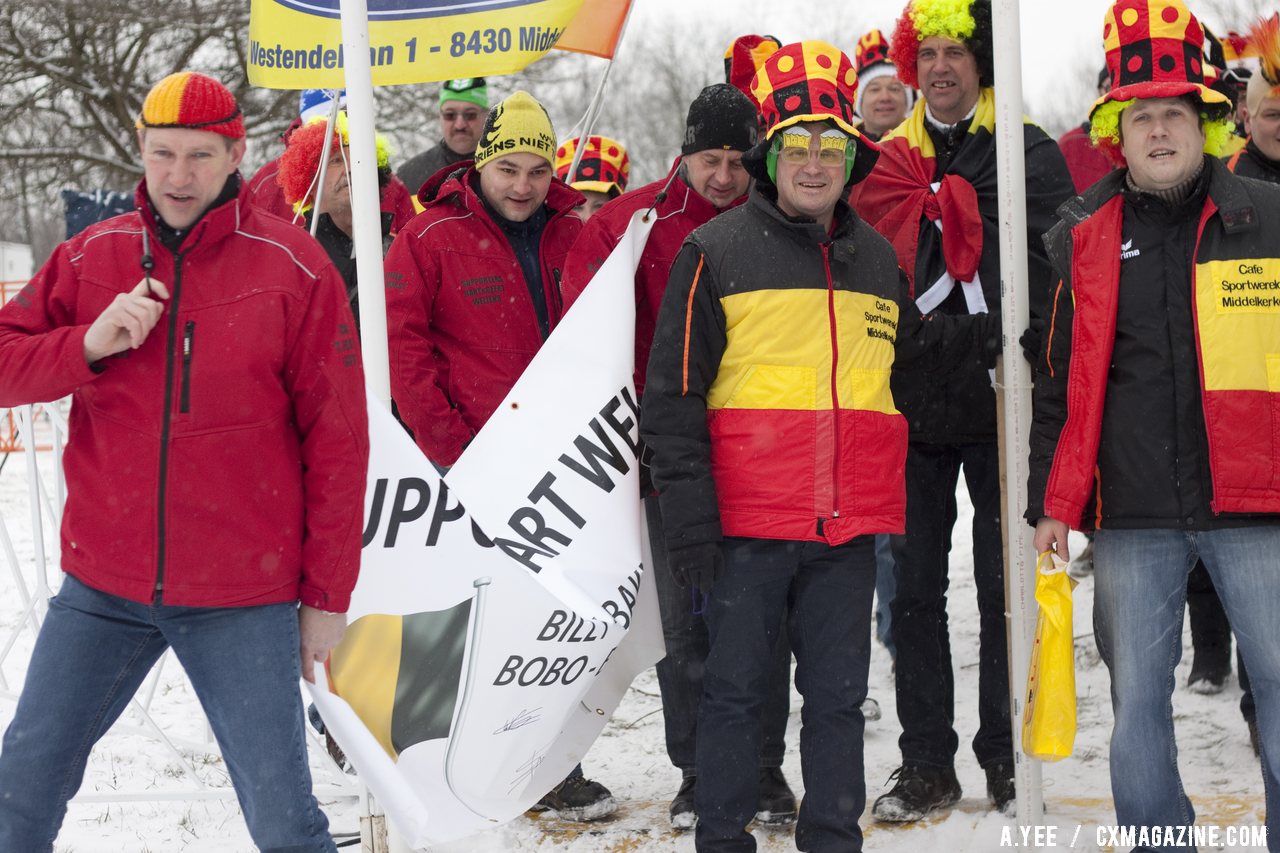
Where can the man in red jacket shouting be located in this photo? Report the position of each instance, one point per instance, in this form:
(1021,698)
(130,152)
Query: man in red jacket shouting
(215,473)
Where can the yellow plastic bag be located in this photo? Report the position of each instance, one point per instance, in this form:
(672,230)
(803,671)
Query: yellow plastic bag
(1049,716)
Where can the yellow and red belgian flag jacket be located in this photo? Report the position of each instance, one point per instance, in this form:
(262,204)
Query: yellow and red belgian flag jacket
(767,407)
(1157,393)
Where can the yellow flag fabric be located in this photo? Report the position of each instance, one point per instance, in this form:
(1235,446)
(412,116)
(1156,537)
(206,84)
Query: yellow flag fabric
(297,44)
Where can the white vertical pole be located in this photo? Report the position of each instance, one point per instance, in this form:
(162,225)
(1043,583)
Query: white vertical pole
(365,207)
(1014,391)
(366,225)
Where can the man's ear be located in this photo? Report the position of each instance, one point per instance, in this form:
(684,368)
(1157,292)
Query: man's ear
(238,148)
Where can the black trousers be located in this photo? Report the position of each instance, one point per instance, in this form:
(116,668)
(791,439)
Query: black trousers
(925,681)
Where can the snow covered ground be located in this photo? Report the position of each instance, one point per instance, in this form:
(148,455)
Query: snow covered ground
(1219,770)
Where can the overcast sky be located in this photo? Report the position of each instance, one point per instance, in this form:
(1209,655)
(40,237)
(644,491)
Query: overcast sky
(1055,34)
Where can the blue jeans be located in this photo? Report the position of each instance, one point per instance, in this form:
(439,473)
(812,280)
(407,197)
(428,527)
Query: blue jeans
(93,652)
(825,593)
(1139,596)
(680,671)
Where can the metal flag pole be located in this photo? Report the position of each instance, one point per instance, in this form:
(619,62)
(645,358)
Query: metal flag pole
(1014,391)
(366,224)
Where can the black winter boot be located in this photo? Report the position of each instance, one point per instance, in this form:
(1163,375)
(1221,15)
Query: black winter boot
(918,792)
(777,805)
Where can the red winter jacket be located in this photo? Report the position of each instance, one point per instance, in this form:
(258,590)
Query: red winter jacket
(679,212)
(265,194)
(222,463)
(1086,163)
(462,325)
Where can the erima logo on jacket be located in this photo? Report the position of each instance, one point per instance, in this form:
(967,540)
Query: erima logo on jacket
(1127,251)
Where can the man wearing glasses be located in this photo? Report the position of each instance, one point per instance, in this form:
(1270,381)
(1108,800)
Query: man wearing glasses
(464,104)
(776,449)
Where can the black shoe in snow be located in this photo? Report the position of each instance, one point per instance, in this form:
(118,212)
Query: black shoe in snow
(918,792)
(1253,737)
(578,799)
(1000,788)
(777,806)
(1209,672)
(682,814)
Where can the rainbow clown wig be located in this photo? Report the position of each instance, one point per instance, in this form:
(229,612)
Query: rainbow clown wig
(1155,49)
(965,21)
(300,162)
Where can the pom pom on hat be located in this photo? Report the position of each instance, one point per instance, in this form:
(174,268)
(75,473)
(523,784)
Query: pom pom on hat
(192,101)
(517,124)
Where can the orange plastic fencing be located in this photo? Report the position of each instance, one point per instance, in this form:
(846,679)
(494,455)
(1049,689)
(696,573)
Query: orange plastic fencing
(9,289)
(10,438)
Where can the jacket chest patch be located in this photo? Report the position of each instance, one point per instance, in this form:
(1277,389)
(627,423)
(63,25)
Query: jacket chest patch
(485,290)
(1127,251)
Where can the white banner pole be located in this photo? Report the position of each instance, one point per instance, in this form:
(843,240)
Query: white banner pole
(1014,391)
(366,215)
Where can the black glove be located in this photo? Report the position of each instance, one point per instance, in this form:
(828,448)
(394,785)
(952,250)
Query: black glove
(1031,341)
(698,566)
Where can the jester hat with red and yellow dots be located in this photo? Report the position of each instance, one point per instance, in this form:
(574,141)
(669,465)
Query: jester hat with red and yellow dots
(604,168)
(1155,49)
(808,81)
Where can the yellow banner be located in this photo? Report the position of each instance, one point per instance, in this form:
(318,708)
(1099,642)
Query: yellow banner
(297,44)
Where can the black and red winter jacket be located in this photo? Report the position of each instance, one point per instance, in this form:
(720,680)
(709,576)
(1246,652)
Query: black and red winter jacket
(1158,387)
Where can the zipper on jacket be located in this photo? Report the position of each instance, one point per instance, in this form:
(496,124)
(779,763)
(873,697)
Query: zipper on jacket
(170,368)
(835,385)
(1195,330)
(188,345)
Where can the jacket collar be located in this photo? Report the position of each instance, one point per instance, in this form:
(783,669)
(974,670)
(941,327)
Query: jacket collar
(1226,193)
(458,189)
(763,197)
(216,223)
(678,195)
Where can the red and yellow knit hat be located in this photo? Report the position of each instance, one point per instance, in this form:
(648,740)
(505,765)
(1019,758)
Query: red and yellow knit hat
(604,168)
(193,101)
(744,57)
(806,81)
